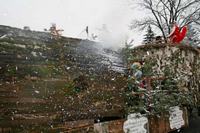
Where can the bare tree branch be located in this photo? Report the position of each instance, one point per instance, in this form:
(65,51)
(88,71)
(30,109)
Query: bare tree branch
(166,20)
(188,5)
(143,23)
(165,4)
(166,12)
(176,10)
(189,18)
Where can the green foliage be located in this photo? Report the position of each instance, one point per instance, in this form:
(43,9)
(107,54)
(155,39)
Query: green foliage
(39,71)
(126,53)
(149,36)
(11,71)
(147,68)
(159,96)
(70,89)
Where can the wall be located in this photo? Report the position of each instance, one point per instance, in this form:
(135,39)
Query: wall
(183,61)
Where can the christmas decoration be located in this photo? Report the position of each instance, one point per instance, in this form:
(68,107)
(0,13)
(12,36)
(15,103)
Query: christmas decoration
(177,35)
(150,93)
(56,33)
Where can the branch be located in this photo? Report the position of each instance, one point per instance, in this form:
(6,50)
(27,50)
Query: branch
(198,23)
(157,19)
(160,14)
(165,4)
(166,20)
(176,10)
(143,23)
(188,19)
(195,21)
(188,5)
(179,3)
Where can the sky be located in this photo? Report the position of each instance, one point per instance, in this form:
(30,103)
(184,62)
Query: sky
(74,15)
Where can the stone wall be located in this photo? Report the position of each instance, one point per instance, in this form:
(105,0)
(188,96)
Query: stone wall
(182,61)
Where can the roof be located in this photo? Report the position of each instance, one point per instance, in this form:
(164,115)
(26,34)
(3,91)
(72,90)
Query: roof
(163,45)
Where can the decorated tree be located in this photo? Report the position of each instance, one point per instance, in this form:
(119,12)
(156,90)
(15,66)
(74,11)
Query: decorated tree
(152,93)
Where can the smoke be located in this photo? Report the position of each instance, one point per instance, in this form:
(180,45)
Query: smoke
(112,38)
(112,28)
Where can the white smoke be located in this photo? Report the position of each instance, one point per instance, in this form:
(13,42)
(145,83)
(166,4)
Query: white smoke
(114,30)
(112,38)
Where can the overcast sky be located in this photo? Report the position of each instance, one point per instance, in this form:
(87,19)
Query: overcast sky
(73,16)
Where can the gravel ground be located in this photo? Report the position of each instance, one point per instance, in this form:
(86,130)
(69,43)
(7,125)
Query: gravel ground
(194,124)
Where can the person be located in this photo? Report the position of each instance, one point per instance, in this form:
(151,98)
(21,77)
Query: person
(94,36)
(87,31)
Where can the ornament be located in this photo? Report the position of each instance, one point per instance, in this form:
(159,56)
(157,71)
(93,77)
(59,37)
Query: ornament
(182,34)
(138,74)
(142,85)
(175,31)
(136,65)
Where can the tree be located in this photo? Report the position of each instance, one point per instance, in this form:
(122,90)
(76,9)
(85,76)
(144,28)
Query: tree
(164,13)
(151,93)
(149,36)
(192,37)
